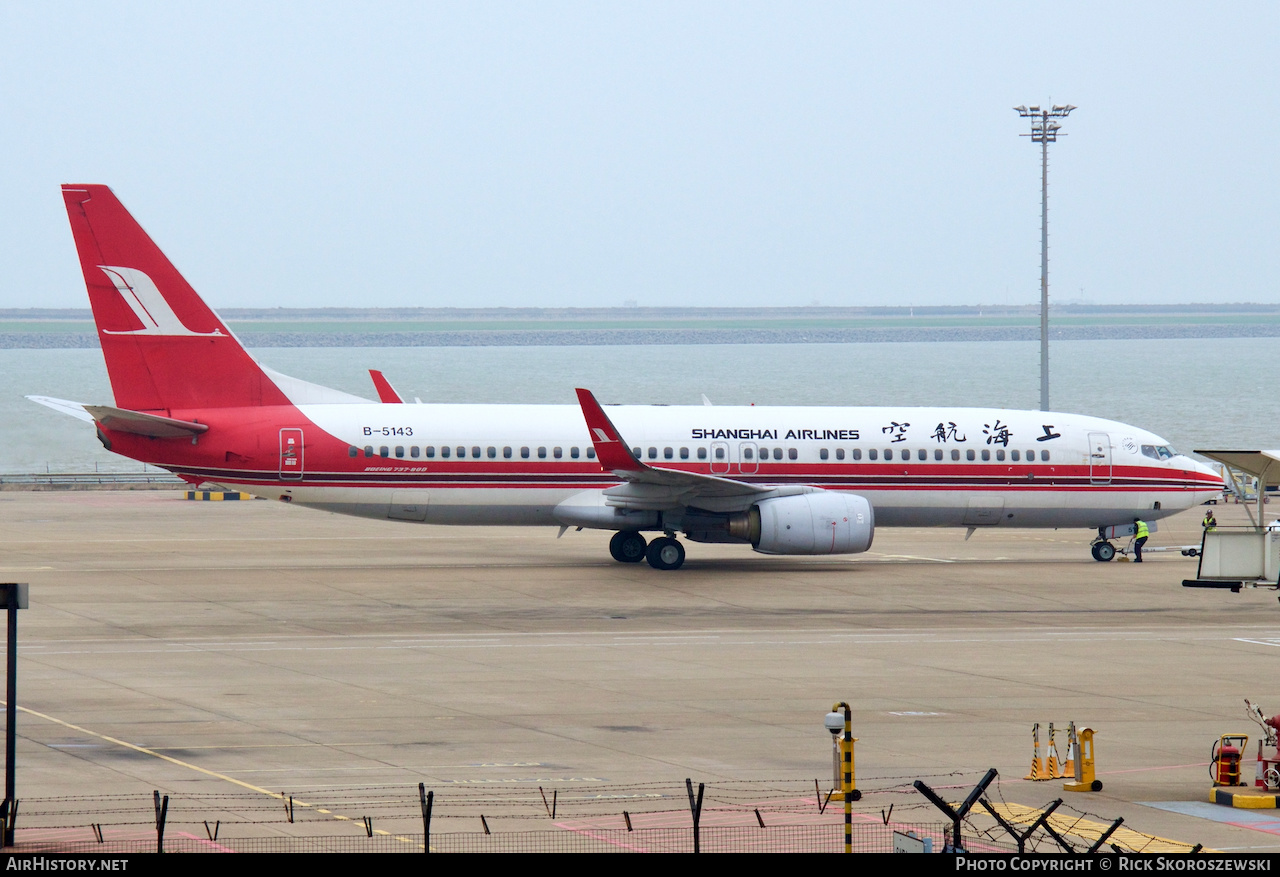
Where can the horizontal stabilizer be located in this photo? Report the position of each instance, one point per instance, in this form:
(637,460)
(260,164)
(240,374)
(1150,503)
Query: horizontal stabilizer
(153,425)
(75,409)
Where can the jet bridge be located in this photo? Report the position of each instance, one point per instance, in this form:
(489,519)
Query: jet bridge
(1242,557)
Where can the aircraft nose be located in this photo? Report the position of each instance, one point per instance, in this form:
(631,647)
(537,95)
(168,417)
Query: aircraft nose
(1208,471)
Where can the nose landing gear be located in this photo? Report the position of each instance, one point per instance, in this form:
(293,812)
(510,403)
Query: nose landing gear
(1102,551)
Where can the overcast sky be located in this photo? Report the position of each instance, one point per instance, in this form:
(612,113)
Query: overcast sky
(592,153)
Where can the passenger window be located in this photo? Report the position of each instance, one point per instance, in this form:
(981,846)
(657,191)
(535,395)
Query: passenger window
(1000,453)
(430,451)
(922,454)
(384,451)
(591,453)
(524,453)
(839,453)
(702,453)
(462,453)
(352,451)
(791,453)
(969,455)
(636,453)
(414,451)
(668,454)
(368,450)
(857,454)
(719,453)
(557,453)
(1013,455)
(986,455)
(475,452)
(573,452)
(400,451)
(542,453)
(748,454)
(955,454)
(937,453)
(445,452)
(822,454)
(1044,456)
(653,453)
(506,453)
(684,453)
(491,452)
(1031,456)
(871,453)
(888,453)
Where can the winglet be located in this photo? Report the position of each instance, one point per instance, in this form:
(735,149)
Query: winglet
(386,393)
(611,450)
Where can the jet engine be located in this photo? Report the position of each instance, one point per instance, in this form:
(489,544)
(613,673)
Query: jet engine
(822,522)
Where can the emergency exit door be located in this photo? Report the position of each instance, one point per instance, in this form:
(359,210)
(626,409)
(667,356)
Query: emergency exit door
(290,454)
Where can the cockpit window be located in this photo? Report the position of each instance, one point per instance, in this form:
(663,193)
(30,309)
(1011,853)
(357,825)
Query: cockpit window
(1159,452)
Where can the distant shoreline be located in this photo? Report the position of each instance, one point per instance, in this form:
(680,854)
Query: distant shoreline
(686,336)
(35,328)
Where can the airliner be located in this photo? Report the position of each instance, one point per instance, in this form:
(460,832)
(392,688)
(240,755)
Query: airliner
(189,398)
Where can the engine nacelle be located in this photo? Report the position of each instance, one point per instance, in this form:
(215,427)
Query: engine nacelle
(810,523)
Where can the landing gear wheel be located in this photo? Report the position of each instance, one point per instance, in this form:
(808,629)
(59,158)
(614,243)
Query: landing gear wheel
(627,546)
(1104,551)
(665,553)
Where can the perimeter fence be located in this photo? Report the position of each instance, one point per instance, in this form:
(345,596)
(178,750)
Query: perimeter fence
(575,815)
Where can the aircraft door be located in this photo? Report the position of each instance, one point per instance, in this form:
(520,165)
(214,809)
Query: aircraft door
(719,458)
(290,454)
(1099,458)
(747,453)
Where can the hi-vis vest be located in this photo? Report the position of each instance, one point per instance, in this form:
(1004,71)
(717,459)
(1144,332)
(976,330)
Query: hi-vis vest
(1210,523)
(1143,532)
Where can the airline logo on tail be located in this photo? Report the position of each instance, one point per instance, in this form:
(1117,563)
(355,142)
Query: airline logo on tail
(148,305)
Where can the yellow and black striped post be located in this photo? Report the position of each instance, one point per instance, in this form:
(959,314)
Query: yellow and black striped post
(846,776)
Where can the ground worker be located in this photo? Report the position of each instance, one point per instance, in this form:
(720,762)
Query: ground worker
(1140,534)
(1210,523)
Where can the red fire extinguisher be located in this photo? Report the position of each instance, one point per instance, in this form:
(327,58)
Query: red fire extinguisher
(1224,759)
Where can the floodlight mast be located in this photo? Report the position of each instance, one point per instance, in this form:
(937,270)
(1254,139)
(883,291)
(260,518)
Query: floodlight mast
(1044,130)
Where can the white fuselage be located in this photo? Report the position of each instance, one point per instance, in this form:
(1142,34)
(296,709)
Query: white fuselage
(514,464)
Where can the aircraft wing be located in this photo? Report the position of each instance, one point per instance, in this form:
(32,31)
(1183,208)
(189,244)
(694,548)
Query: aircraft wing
(652,486)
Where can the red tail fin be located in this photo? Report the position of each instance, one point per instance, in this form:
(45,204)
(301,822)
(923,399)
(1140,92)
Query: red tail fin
(164,347)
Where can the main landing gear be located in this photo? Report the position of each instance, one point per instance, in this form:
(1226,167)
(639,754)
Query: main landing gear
(628,546)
